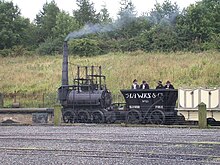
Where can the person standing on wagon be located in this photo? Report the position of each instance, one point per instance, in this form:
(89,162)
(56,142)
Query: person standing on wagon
(168,85)
(159,85)
(135,85)
(144,85)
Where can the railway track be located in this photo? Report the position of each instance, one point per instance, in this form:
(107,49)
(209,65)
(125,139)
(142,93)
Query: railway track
(110,154)
(108,145)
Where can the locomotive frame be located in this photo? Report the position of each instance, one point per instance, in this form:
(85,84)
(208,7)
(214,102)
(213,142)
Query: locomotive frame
(87,99)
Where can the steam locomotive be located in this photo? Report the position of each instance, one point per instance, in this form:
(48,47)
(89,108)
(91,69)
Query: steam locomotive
(88,100)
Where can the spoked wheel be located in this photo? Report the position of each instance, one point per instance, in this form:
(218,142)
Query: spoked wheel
(98,117)
(157,117)
(133,117)
(83,116)
(68,117)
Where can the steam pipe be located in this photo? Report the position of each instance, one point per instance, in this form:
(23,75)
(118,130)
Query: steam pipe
(65,80)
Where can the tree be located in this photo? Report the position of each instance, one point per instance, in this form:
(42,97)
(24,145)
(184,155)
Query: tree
(46,21)
(159,38)
(86,13)
(200,23)
(127,8)
(12,25)
(164,13)
(28,35)
(104,15)
(126,20)
(64,25)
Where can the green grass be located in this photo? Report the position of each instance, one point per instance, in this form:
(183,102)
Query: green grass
(42,74)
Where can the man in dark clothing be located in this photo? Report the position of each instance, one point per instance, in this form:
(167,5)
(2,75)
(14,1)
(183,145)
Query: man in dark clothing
(168,85)
(160,85)
(144,85)
(135,85)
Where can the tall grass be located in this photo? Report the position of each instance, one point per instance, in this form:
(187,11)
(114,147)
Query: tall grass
(42,74)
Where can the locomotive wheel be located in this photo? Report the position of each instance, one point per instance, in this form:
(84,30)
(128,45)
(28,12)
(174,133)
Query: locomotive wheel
(83,116)
(157,117)
(68,117)
(133,117)
(98,117)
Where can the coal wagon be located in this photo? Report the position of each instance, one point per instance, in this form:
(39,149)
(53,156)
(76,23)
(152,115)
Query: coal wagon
(155,106)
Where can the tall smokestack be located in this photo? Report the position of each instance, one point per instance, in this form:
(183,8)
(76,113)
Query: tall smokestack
(65,80)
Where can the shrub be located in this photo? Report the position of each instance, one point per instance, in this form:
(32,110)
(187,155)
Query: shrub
(129,45)
(15,51)
(50,47)
(5,52)
(85,47)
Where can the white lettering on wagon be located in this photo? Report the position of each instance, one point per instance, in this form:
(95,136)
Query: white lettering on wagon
(143,95)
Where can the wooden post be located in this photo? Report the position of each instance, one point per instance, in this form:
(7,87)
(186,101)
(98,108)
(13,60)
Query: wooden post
(1,100)
(202,113)
(43,99)
(57,115)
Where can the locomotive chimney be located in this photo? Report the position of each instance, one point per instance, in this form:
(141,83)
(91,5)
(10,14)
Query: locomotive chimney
(65,80)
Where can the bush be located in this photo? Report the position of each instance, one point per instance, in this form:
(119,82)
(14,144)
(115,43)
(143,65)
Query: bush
(129,45)
(214,44)
(50,47)
(15,51)
(5,52)
(160,38)
(85,47)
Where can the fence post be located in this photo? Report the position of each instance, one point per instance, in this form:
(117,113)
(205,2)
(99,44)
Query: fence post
(202,113)
(57,115)
(43,100)
(1,100)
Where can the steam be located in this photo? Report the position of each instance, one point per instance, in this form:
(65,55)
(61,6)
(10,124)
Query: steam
(156,18)
(92,29)
(126,18)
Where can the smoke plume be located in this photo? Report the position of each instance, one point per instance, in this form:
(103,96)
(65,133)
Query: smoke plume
(155,18)
(102,28)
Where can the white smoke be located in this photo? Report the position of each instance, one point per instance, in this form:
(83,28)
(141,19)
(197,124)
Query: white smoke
(91,29)
(125,18)
(156,18)
(102,28)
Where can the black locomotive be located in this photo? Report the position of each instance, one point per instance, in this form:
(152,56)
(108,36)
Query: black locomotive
(89,100)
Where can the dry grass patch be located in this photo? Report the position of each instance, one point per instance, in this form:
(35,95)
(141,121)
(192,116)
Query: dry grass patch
(43,73)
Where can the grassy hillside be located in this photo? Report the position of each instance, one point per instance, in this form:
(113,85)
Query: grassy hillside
(40,74)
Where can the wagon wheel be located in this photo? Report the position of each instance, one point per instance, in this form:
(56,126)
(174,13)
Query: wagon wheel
(83,116)
(133,117)
(68,117)
(180,119)
(157,117)
(98,117)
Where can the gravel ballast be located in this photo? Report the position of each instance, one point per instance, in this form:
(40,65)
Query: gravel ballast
(107,145)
